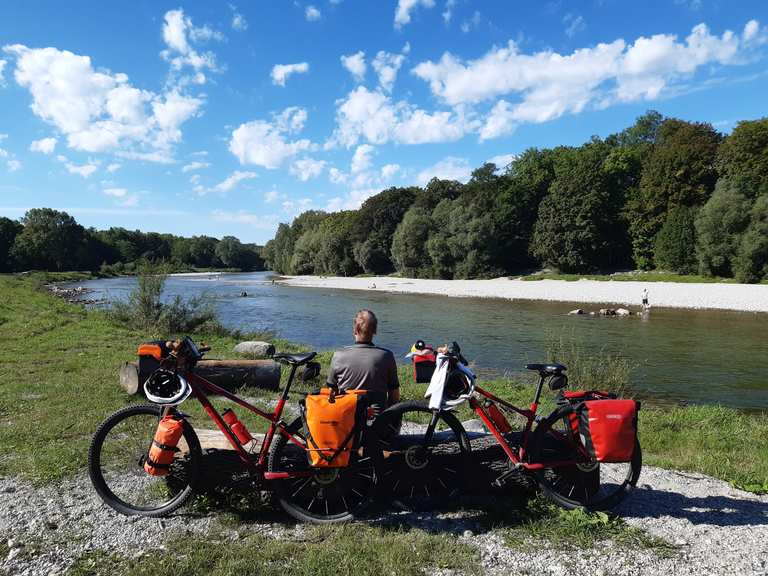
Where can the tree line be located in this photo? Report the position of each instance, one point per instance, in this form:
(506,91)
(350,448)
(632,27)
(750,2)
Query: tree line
(47,239)
(663,194)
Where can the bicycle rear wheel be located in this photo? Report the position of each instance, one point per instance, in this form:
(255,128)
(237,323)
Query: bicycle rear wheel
(116,464)
(415,473)
(321,495)
(587,484)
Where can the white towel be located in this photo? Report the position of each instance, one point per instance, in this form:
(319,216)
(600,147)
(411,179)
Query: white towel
(436,386)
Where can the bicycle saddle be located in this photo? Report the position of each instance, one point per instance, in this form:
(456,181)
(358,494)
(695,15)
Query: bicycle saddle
(294,359)
(547,369)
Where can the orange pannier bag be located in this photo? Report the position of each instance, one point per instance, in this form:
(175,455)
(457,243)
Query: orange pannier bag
(163,448)
(332,423)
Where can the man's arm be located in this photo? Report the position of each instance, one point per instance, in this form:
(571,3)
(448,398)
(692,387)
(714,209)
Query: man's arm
(333,373)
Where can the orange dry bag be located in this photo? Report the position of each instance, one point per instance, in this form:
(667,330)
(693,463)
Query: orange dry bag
(163,447)
(331,423)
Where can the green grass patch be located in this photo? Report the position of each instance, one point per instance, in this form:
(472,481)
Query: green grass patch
(542,523)
(313,551)
(630,277)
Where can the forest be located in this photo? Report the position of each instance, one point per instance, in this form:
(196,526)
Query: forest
(663,194)
(47,239)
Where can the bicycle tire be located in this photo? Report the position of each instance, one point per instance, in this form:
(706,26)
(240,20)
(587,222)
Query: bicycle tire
(181,481)
(593,479)
(415,479)
(329,495)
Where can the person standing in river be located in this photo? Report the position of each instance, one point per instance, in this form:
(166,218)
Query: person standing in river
(365,366)
(646,305)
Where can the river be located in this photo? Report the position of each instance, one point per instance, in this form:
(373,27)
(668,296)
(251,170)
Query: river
(681,355)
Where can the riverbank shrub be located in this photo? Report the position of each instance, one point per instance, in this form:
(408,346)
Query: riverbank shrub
(145,309)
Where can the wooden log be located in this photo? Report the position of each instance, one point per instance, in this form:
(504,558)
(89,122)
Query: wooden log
(229,374)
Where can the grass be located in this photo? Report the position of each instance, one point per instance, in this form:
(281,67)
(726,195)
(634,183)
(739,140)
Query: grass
(313,551)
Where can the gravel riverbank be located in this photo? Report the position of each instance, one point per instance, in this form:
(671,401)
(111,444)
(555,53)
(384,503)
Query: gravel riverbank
(714,528)
(742,297)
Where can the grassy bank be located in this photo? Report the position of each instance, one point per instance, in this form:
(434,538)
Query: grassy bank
(633,277)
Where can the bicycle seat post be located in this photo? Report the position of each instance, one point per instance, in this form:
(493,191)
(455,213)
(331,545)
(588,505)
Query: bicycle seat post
(539,388)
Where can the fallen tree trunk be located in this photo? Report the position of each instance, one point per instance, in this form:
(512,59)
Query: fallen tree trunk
(229,374)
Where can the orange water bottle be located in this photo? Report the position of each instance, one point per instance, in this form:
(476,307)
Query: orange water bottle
(237,427)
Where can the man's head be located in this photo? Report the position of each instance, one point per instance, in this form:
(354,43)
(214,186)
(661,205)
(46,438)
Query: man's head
(364,327)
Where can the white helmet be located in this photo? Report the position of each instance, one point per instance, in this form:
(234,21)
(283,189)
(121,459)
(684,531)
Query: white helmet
(167,388)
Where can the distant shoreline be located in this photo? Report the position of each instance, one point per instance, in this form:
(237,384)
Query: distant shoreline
(697,296)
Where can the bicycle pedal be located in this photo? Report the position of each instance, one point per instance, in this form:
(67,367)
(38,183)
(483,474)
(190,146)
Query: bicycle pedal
(504,478)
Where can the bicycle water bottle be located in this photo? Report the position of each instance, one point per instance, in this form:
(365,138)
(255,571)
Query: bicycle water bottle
(237,427)
(498,418)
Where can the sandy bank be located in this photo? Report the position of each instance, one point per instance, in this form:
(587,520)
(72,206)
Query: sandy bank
(743,297)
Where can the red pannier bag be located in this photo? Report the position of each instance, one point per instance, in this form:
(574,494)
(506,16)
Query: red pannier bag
(607,428)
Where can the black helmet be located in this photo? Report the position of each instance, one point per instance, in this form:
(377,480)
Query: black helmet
(457,384)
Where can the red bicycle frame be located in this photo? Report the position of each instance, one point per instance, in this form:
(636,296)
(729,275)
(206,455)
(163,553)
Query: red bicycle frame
(202,387)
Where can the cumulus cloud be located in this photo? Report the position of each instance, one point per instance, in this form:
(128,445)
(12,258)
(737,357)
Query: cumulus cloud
(355,64)
(503,160)
(179,34)
(98,111)
(312,14)
(405,7)
(281,72)
(13,165)
(192,166)
(84,170)
(2,67)
(114,167)
(122,197)
(449,168)
(44,145)
(386,66)
(362,158)
(233,180)
(548,84)
(388,171)
(448,11)
(471,23)
(307,168)
(268,144)
(373,116)
(239,23)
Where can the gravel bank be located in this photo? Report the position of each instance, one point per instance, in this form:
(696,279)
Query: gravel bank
(742,297)
(716,529)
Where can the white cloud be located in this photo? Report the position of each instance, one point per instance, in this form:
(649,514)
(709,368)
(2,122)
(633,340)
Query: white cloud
(336,176)
(374,117)
(233,180)
(472,23)
(307,168)
(549,84)
(352,200)
(179,33)
(387,65)
(271,196)
(239,22)
(259,221)
(503,160)
(84,170)
(13,165)
(263,143)
(574,24)
(2,67)
(312,14)
(404,9)
(355,64)
(362,158)
(44,145)
(388,171)
(116,192)
(192,166)
(448,11)
(100,111)
(281,72)
(449,168)
(114,167)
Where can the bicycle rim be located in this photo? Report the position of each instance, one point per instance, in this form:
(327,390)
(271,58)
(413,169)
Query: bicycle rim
(116,464)
(325,495)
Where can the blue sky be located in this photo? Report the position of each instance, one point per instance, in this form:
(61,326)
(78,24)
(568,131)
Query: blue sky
(226,118)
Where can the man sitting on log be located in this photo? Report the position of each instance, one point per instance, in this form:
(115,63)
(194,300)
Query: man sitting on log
(364,366)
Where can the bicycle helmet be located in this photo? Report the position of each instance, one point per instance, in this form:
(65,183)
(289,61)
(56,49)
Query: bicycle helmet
(167,388)
(458,386)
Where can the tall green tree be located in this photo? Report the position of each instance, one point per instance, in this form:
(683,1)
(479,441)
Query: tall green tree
(743,157)
(409,244)
(9,229)
(679,171)
(50,240)
(334,255)
(674,242)
(751,263)
(719,227)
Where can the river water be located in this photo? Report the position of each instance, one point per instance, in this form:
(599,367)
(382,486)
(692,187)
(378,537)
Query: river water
(682,355)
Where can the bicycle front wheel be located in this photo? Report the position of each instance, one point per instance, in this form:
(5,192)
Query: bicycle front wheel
(321,495)
(116,464)
(586,484)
